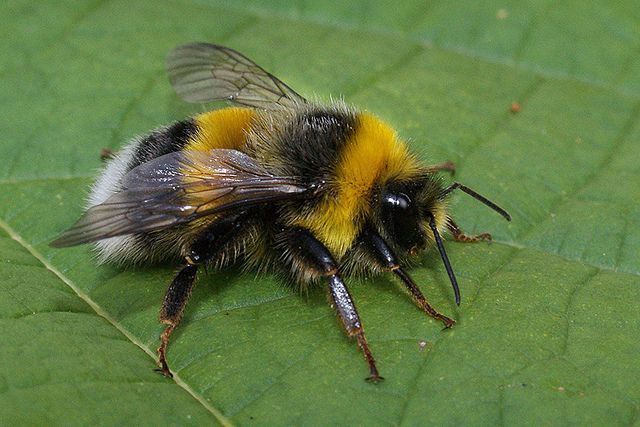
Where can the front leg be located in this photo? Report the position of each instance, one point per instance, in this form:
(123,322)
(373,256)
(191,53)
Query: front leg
(459,236)
(383,256)
(310,258)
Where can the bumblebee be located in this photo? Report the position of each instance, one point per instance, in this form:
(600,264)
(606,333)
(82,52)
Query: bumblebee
(276,183)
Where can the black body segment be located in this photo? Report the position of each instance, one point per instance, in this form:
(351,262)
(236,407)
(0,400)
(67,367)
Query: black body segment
(213,240)
(375,245)
(163,141)
(345,307)
(402,208)
(314,140)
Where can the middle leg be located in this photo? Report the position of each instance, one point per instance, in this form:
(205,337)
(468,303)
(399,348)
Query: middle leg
(310,259)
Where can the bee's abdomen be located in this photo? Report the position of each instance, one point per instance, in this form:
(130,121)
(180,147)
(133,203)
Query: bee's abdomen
(224,128)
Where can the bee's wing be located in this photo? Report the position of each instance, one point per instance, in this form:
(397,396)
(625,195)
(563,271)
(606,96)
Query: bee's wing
(202,72)
(177,188)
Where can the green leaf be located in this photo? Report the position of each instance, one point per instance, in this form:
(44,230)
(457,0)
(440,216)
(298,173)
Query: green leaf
(548,329)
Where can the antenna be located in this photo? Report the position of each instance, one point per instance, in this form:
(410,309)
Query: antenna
(445,259)
(476,196)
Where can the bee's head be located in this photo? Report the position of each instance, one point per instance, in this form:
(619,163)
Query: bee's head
(413,214)
(408,207)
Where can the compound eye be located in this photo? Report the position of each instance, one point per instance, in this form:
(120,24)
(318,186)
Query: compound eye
(398,202)
(400,219)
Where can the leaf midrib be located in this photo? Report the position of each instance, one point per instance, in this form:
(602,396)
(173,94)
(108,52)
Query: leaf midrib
(105,315)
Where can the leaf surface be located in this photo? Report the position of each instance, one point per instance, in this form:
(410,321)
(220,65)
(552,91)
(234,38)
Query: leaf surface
(547,331)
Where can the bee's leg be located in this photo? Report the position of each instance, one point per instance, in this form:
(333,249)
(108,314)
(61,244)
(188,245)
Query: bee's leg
(106,154)
(459,236)
(172,309)
(384,257)
(208,246)
(447,166)
(309,253)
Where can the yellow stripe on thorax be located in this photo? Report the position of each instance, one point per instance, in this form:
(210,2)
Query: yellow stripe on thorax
(371,156)
(225,128)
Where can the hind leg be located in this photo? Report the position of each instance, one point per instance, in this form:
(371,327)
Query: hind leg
(175,300)
(209,246)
